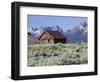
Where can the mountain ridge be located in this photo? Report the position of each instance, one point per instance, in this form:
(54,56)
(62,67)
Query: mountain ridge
(77,34)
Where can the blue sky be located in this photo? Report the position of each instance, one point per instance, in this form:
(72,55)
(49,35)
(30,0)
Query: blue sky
(65,22)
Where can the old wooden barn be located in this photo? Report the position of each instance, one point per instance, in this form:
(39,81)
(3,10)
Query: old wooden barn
(52,37)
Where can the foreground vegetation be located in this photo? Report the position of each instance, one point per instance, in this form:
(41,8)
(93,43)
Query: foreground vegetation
(57,54)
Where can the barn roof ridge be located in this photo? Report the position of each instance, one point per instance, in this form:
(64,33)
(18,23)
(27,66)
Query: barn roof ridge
(55,34)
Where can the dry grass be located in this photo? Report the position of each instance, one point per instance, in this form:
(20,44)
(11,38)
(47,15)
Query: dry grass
(57,54)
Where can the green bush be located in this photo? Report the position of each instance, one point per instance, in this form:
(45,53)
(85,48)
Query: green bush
(57,54)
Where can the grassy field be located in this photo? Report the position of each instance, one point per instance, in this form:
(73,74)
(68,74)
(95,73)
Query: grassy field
(57,54)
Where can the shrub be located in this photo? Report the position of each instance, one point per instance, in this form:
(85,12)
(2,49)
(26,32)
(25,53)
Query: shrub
(57,54)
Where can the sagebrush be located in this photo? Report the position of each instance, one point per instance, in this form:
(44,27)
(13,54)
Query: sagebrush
(57,54)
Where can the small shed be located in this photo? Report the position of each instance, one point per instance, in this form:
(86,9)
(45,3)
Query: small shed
(52,37)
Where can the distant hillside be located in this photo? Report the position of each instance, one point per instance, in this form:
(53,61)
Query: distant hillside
(76,35)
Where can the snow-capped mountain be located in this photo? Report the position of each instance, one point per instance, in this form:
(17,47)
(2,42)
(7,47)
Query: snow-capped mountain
(39,31)
(77,34)
(53,28)
(35,31)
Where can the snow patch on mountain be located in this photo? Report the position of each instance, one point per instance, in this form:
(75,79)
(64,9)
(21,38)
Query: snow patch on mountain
(75,35)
